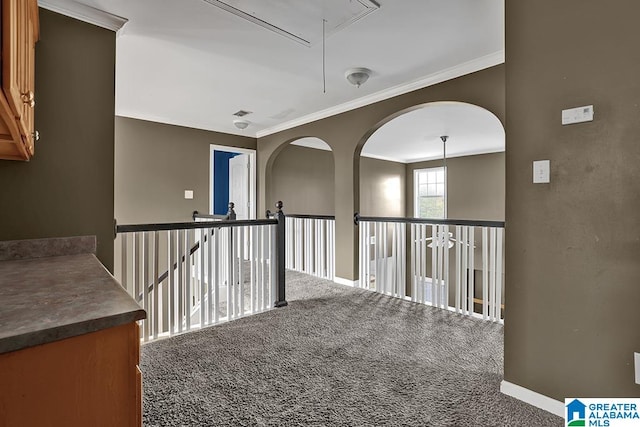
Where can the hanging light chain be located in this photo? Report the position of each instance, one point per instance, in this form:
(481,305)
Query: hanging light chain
(324,55)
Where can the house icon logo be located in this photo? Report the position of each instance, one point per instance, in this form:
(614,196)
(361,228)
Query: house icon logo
(576,413)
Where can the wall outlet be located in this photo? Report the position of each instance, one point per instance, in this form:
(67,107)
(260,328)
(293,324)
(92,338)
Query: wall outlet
(636,356)
(188,194)
(372,240)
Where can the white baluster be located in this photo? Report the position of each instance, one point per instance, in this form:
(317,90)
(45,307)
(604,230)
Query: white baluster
(210,277)
(241,268)
(465,269)
(471,268)
(217,262)
(156,284)
(171,261)
(485,273)
(273,265)
(445,297)
(145,284)
(459,248)
(203,268)
(188,280)
(499,244)
(492,273)
(181,278)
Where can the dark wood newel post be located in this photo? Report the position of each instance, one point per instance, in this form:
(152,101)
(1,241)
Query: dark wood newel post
(281,300)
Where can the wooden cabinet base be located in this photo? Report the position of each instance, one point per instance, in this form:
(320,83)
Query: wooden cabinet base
(88,380)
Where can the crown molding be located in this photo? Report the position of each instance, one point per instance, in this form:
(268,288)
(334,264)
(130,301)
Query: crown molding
(469,67)
(84,13)
(411,161)
(453,156)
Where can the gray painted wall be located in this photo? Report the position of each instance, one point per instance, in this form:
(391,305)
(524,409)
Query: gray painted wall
(382,187)
(303,179)
(573,246)
(156,162)
(67,188)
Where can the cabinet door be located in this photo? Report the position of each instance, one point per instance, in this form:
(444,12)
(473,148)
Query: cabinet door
(87,380)
(19,29)
(28,83)
(14,13)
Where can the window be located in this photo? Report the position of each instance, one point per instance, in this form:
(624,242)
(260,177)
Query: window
(430,194)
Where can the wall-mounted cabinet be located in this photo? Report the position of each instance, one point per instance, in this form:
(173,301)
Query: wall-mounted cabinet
(20,31)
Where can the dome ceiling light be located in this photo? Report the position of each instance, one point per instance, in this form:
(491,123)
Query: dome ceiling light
(241,124)
(358,76)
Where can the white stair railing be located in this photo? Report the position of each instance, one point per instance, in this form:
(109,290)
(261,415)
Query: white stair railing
(191,275)
(450,264)
(310,245)
(382,258)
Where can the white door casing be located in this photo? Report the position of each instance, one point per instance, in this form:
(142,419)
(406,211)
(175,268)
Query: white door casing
(251,195)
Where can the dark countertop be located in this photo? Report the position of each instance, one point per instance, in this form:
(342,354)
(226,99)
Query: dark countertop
(51,298)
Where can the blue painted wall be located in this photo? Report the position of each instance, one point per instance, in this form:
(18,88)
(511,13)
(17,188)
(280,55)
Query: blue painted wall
(220,183)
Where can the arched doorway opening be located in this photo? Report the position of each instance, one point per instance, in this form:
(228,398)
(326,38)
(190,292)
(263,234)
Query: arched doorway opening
(405,161)
(302,176)
(445,248)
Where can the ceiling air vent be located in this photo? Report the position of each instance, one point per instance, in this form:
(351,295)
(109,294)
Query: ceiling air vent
(241,113)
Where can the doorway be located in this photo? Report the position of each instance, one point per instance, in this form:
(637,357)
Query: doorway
(232,179)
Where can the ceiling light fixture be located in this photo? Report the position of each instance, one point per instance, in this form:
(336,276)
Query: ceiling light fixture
(358,76)
(241,124)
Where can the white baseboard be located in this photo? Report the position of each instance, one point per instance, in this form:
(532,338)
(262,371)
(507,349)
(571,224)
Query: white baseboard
(346,282)
(532,398)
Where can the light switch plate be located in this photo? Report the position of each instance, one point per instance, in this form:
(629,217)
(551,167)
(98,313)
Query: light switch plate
(541,171)
(636,356)
(188,194)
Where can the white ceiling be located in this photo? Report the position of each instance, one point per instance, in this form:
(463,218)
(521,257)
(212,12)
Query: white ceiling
(190,63)
(415,136)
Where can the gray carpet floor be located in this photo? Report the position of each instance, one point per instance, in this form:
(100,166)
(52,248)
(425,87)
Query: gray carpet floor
(336,356)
